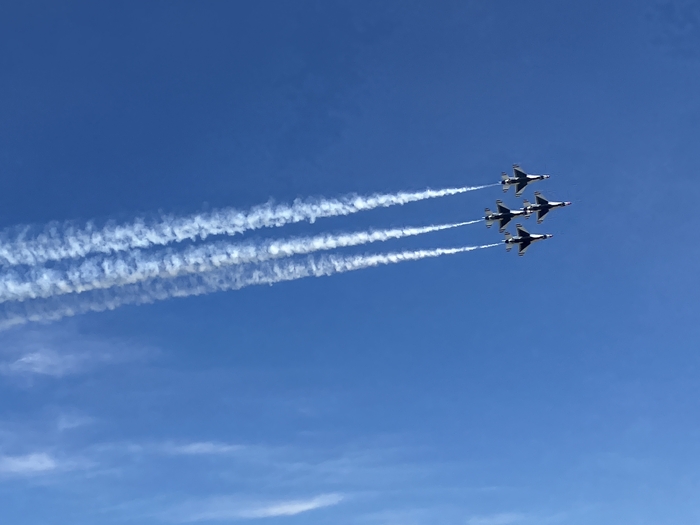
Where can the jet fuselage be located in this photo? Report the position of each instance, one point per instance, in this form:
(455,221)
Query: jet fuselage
(503,218)
(531,208)
(532,238)
(510,181)
(520,180)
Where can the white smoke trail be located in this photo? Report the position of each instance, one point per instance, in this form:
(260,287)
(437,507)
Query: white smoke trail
(232,278)
(66,241)
(137,266)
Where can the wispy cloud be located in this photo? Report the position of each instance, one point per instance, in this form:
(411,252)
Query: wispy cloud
(71,421)
(230,508)
(54,352)
(201,448)
(45,362)
(505,518)
(28,464)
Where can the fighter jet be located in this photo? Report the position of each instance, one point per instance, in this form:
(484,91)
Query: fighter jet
(542,207)
(524,239)
(503,216)
(520,180)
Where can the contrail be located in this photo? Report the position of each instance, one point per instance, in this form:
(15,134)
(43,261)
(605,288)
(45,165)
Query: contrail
(137,266)
(231,278)
(66,241)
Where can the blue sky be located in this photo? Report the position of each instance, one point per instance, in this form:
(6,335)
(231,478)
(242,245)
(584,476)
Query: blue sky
(478,388)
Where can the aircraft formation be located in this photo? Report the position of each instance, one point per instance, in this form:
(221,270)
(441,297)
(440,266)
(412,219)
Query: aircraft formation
(504,215)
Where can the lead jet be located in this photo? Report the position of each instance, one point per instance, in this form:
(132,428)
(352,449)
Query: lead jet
(542,207)
(524,239)
(520,180)
(503,216)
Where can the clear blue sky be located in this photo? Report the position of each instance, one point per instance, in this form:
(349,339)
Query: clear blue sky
(475,389)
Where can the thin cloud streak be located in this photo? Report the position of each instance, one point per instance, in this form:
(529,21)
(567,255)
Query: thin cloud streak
(226,509)
(137,266)
(62,351)
(65,241)
(201,448)
(44,362)
(28,464)
(233,278)
(504,518)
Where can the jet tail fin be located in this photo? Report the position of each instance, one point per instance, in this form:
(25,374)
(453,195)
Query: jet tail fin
(508,237)
(489,222)
(504,181)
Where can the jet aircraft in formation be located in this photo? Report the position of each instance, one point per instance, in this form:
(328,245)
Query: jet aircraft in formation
(504,214)
(542,207)
(520,180)
(524,239)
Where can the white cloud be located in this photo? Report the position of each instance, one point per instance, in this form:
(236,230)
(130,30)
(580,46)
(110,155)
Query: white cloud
(43,362)
(290,508)
(70,421)
(201,448)
(60,351)
(27,464)
(505,518)
(225,508)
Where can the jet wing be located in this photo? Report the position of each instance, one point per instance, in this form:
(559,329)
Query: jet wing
(522,232)
(541,213)
(540,198)
(503,222)
(522,247)
(520,185)
(518,172)
(501,207)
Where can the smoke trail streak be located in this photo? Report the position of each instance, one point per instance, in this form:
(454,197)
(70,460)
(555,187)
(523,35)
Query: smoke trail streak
(66,241)
(232,278)
(139,266)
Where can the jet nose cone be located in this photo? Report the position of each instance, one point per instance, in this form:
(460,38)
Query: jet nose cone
(546,176)
(550,235)
(567,203)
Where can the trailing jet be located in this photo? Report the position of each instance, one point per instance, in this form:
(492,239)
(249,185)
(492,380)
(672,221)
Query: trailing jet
(520,180)
(542,207)
(503,216)
(524,239)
